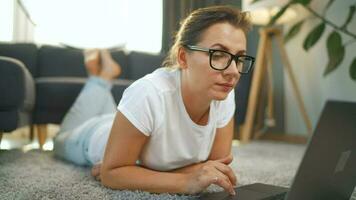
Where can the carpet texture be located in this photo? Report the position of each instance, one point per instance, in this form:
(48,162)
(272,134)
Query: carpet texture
(38,175)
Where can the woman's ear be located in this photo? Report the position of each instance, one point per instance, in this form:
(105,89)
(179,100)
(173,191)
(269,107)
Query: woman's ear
(182,58)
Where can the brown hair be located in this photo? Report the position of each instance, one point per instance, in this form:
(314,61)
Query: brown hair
(193,26)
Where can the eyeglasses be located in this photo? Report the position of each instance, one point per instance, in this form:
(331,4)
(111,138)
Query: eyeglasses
(221,60)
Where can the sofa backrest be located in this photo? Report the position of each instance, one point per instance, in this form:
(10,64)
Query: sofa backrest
(143,63)
(56,61)
(25,52)
(121,57)
(69,62)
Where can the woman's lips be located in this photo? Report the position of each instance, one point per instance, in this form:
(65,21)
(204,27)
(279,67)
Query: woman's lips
(226,87)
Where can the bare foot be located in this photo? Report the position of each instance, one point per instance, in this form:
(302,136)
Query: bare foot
(95,171)
(110,68)
(92,61)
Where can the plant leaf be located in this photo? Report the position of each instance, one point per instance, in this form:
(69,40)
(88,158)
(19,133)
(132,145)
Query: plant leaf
(254,1)
(293,31)
(314,36)
(349,17)
(353,70)
(329,4)
(303,2)
(278,14)
(336,52)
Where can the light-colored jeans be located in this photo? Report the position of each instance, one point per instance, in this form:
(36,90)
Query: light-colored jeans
(71,143)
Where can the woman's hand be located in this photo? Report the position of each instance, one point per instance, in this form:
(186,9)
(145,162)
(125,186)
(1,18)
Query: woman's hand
(95,171)
(212,172)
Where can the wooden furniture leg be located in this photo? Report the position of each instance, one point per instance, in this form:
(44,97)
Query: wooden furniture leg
(266,95)
(259,123)
(32,131)
(41,134)
(0,136)
(254,90)
(271,122)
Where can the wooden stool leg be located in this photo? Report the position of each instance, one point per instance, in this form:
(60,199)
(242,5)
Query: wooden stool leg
(41,134)
(259,126)
(32,132)
(246,132)
(270,105)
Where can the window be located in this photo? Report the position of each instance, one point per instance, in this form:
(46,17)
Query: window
(135,24)
(6,20)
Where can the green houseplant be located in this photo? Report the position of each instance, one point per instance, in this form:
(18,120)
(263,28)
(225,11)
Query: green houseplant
(334,43)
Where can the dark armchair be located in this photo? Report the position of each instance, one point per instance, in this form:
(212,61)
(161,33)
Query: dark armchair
(17,99)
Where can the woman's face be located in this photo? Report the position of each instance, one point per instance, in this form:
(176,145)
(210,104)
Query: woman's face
(214,84)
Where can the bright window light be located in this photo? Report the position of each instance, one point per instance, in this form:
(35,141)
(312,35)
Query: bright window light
(6,20)
(135,24)
(145,24)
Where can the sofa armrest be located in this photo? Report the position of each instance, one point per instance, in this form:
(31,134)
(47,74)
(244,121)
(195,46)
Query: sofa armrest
(17,87)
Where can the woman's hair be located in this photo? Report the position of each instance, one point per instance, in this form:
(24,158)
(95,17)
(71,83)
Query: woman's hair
(198,21)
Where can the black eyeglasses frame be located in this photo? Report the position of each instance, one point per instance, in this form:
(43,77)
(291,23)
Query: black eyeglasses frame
(233,57)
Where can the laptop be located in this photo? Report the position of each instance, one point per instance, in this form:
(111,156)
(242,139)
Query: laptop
(328,168)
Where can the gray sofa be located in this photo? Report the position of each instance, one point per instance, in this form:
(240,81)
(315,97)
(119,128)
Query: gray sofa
(39,84)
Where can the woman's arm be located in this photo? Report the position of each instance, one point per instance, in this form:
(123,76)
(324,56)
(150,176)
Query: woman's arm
(223,141)
(119,169)
(139,178)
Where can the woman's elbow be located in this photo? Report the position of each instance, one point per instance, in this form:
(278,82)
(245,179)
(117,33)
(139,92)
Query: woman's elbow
(105,178)
(109,180)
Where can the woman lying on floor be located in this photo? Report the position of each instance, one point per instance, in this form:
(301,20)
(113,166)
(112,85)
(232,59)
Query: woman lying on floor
(172,130)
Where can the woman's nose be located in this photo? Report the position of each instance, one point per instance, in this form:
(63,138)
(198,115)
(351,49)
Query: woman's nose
(232,69)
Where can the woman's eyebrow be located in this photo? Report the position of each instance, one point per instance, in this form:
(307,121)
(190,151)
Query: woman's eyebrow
(241,52)
(222,47)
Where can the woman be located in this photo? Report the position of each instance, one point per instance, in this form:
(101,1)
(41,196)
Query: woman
(173,128)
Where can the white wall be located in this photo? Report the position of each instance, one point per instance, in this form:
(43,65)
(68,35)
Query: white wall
(309,67)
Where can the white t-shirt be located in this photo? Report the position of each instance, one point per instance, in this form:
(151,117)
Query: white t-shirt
(154,105)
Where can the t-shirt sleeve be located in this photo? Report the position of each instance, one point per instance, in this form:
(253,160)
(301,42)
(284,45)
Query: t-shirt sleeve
(141,105)
(226,110)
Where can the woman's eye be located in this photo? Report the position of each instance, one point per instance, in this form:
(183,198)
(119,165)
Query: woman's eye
(219,55)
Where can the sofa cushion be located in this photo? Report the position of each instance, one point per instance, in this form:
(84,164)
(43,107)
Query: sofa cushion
(25,52)
(60,62)
(143,63)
